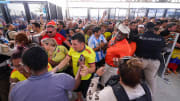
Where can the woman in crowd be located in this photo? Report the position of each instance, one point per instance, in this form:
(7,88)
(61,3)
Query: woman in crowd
(56,53)
(21,40)
(125,87)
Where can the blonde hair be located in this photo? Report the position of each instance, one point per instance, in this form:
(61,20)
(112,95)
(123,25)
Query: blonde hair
(135,62)
(50,41)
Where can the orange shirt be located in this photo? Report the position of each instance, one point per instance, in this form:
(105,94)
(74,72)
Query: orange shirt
(118,50)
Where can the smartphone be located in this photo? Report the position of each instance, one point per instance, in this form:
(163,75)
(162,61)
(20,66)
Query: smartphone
(80,63)
(82,60)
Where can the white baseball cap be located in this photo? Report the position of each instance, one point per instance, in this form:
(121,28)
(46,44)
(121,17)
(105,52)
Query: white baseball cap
(124,29)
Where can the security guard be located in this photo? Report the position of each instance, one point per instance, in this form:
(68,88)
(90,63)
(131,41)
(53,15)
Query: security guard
(149,47)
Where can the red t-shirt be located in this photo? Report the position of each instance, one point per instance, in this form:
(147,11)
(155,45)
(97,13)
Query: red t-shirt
(58,37)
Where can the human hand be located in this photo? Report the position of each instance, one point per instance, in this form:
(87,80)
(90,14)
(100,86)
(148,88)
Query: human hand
(29,27)
(104,13)
(84,70)
(54,70)
(41,16)
(43,33)
(117,61)
(102,44)
(100,71)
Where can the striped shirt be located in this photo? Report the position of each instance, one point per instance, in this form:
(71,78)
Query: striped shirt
(94,43)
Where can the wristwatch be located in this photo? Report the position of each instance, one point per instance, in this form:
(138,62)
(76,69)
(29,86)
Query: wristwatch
(95,75)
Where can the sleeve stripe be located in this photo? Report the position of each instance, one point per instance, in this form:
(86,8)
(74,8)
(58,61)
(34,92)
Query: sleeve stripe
(92,63)
(69,55)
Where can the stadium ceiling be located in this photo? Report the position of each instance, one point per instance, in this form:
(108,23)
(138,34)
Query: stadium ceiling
(158,1)
(153,1)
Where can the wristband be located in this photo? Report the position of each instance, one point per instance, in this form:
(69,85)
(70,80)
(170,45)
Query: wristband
(95,75)
(56,69)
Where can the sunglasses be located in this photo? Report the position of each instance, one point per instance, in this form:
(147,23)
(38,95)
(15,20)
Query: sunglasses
(48,31)
(46,43)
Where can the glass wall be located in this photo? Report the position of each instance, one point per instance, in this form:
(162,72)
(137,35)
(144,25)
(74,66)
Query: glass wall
(101,11)
(132,13)
(142,12)
(2,21)
(36,10)
(1,14)
(112,13)
(17,12)
(160,13)
(117,14)
(78,13)
(177,15)
(122,13)
(170,12)
(94,14)
(152,13)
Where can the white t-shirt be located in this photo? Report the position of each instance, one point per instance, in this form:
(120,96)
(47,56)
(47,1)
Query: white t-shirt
(36,38)
(107,93)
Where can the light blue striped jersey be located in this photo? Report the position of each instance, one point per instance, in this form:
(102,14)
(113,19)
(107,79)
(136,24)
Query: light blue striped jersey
(93,43)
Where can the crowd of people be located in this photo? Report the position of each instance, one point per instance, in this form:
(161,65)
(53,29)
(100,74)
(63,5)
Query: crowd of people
(105,60)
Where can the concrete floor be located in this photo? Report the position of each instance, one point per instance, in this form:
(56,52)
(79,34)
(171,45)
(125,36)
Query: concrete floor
(168,91)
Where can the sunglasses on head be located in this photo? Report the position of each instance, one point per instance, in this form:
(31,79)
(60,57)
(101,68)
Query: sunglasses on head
(48,31)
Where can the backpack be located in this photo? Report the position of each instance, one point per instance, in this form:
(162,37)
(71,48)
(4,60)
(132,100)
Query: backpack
(121,94)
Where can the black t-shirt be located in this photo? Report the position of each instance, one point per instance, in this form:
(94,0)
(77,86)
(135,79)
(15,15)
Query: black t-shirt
(149,45)
(178,41)
(133,34)
(5,70)
(166,32)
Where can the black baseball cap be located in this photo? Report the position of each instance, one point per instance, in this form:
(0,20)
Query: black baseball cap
(149,25)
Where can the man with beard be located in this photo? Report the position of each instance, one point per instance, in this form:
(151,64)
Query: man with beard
(133,30)
(118,47)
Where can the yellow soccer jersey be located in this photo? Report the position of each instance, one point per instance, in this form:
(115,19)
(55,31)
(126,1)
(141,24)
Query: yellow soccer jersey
(59,54)
(15,74)
(89,55)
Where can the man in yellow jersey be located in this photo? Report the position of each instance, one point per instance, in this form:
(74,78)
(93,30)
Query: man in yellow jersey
(79,49)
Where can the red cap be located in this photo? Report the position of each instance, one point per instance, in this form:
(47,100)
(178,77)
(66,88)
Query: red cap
(52,22)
